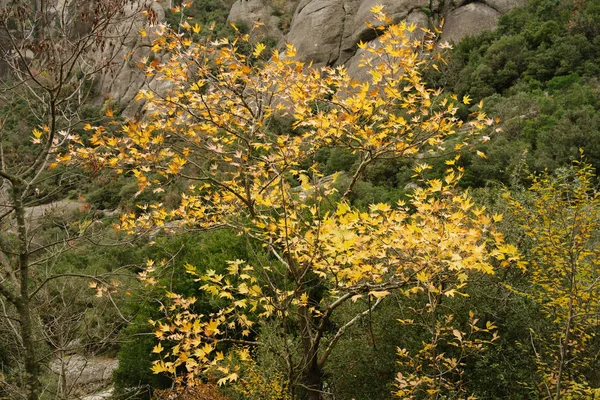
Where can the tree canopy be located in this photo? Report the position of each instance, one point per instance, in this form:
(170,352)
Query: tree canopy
(214,128)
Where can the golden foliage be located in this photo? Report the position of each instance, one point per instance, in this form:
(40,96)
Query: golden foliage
(214,127)
(256,386)
(560,219)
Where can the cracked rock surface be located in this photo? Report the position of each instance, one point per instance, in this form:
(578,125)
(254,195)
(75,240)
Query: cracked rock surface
(325,32)
(317,30)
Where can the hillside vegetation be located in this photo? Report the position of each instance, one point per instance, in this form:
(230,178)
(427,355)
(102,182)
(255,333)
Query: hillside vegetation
(265,232)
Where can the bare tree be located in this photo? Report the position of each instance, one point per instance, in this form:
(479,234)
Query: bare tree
(52,52)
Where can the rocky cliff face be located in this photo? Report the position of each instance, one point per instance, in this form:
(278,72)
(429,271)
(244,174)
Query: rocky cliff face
(326,32)
(272,14)
(123,79)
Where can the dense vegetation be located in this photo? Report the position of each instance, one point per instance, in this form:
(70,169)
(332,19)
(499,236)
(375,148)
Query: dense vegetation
(538,73)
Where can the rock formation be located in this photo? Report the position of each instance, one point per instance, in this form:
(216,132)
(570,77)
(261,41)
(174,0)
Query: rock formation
(326,32)
(469,20)
(83,374)
(269,15)
(123,80)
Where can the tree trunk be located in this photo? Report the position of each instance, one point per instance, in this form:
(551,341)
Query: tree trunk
(32,365)
(313,381)
(564,350)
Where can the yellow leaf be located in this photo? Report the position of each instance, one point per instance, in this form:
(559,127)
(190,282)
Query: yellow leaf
(290,50)
(383,207)
(376,77)
(211,328)
(158,367)
(379,294)
(222,381)
(304,298)
(376,9)
(260,47)
(457,333)
(157,349)
(244,355)
(342,209)
(436,185)
(466,99)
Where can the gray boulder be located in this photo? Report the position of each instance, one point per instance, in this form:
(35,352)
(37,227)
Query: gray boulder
(317,31)
(397,10)
(250,12)
(469,20)
(325,32)
(503,6)
(83,375)
(123,79)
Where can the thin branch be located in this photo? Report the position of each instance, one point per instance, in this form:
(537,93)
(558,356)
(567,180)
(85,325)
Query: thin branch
(57,276)
(341,331)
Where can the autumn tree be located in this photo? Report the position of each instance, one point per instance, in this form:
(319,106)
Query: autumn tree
(216,127)
(559,217)
(52,53)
